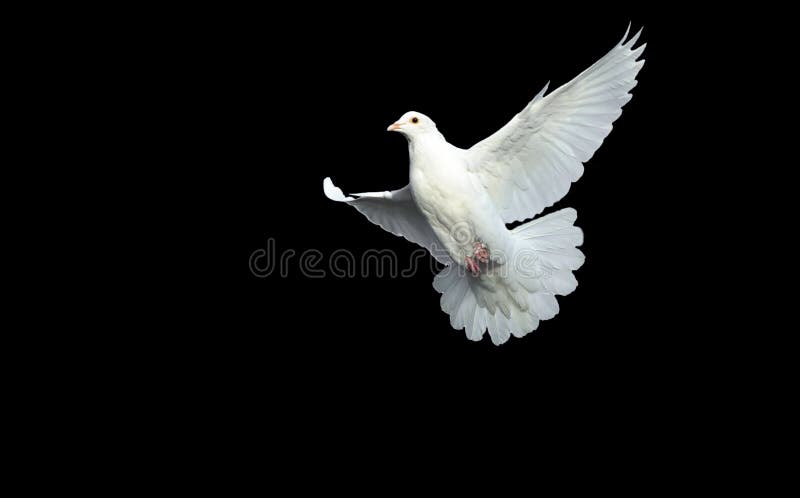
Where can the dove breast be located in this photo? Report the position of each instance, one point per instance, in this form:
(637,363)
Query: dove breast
(458,209)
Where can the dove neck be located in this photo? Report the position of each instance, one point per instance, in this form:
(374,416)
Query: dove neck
(426,145)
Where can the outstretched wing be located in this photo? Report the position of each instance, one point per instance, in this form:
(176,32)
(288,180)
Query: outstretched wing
(396,213)
(530,163)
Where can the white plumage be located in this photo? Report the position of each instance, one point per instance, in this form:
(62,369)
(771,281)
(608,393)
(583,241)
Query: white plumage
(458,201)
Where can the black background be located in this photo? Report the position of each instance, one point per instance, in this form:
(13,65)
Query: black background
(267,113)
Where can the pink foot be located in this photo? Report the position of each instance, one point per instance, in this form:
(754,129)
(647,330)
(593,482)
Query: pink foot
(481,253)
(472,266)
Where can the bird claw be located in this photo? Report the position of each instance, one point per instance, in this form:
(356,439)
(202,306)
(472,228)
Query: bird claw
(481,252)
(472,266)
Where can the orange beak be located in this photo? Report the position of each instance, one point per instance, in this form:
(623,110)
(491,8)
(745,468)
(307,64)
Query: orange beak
(393,127)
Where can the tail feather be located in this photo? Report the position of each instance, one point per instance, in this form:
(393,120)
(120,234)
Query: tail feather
(513,298)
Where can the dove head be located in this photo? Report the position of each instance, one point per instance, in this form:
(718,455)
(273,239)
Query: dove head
(413,124)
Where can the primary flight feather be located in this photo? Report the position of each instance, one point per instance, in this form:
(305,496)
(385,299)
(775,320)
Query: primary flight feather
(457,202)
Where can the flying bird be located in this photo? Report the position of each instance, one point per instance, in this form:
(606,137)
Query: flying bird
(458,202)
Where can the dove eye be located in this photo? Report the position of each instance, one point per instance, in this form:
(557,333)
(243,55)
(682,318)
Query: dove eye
(415,120)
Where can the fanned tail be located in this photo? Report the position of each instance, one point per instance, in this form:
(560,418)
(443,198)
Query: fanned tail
(512,298)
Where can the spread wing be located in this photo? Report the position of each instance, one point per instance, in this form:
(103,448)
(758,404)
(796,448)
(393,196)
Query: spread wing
(396,213)
(530,163)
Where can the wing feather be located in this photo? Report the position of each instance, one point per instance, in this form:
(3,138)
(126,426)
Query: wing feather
(531,162)
(396,213)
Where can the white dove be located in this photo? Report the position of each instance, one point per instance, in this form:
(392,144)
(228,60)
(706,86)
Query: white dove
(457,202)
